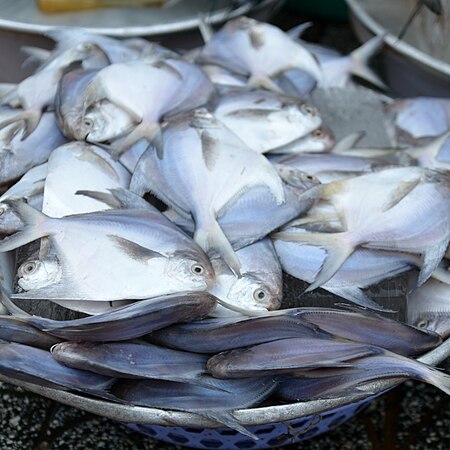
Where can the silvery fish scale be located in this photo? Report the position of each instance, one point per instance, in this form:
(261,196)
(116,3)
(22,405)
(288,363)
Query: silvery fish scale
(345,111)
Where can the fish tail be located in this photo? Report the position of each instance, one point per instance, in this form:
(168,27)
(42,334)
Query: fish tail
(339,246)
(210,236)
(432,147)
(7,90)
(348,142)
(30,117)
(149,131)
(360,58)
(34,228)
(431,259)
(226,418)
(441,274)
(439,379)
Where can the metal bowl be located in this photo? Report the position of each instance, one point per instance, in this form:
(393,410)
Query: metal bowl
(413,66)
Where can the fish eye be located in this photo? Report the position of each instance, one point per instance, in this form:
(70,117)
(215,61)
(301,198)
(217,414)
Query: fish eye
(28,268)
(259,294)
(89,123)
(422,324)
(197,269)
(318,133)
(307,109)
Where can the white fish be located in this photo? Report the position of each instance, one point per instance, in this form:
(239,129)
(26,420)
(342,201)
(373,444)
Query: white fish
(264,120)
(260,286)
(259,51)
(121,250)
(77,166)
(205,169)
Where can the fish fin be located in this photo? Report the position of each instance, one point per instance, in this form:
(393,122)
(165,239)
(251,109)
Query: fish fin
(356,295)
(30,117)
(259,81)
(403,189)
(210,236)
(35,55)
(12,308)
(441,274)
(240,310)
(360,58)
(104,197)
(55,291)
(226,418)
(205,28)
(432,147)
(6,89)
(439,379)
(337,245)
(210,150)
(431,259)
(299,29)
(133,250)
(348,142)
(33,220)
(149,131)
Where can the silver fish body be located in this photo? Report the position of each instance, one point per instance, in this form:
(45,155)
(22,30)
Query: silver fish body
(205,169)
(265,120)
(429,307)
(130,322)
(260,286)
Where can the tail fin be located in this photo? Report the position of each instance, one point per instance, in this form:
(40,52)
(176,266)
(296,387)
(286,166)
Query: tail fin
(441,274)
(299,29)
(210,236)
(30,117)
(439,379)
(6,89)
(431,259)
(348,142)
(149,131)
(33,229)
(226,418)
(432,148)
(258,81)
(338,246)
(360,58)
(205,28)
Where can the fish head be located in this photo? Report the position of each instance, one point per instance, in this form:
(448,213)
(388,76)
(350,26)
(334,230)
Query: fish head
(104,121)
(298,112)
(34,274)
(193,268)
(320,140)
(296,178)
(437,322)
(254,291)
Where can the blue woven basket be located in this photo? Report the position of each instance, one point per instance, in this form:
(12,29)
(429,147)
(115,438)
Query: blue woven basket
(270,435)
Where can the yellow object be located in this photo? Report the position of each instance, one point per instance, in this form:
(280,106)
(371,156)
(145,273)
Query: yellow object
(55,6)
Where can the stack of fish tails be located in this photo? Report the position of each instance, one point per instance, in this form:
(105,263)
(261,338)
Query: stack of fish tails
(161,197)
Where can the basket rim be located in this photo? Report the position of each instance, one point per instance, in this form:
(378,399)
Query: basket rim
(247,417)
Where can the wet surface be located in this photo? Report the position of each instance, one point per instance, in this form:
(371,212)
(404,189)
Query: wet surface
(412,416)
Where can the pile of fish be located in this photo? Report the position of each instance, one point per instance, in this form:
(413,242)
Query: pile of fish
(161,196)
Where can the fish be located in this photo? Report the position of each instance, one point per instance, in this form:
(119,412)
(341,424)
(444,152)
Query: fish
(19,154)
(34,365)
(116,50)
(410,119)
(15,329)
(223,77)
(429,307)
(135,360)
(318,141)
(380,211)
(361,269)
(260,286)
(254,215)
(259,56)
(75,166)
(361,325)
(131,321)
(329,167)
(30,186)
(205,169)
(348,381)
(265,120)
(286,356)
(216,403)
(174,86)
(214,335)
(141,243)
(37,92)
